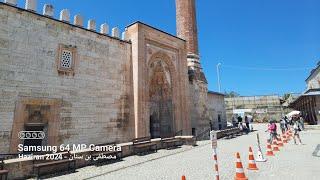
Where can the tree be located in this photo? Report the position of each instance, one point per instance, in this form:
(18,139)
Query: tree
(286,96)
(232,94)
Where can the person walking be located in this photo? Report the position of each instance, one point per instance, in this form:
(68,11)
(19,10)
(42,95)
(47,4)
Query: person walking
(272,129)
(234,121)
(283,125)
(239,119)
(287,122)
(301,121)
(269,130)
(297,129)
(246,120)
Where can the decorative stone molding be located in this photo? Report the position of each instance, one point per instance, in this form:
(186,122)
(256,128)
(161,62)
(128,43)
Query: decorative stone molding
(92,25)
(104,28)
(31,5)
(11,2)
(115,32)
(65,15)
(67,57)
(51,116)
(78,20)
(48,10)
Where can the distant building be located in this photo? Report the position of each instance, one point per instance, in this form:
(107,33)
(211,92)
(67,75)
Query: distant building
(309,102)
(262,108)
(217,110)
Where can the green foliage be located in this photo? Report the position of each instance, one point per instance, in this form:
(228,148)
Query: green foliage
(286,96)
(232,94)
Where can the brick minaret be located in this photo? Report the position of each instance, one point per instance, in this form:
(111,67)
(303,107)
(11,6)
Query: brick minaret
(198,87)
(187,30)
(187,24)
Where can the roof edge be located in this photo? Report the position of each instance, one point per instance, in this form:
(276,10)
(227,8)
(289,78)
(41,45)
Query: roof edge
(57,20)
(217,93)
(312,72)
(139,22)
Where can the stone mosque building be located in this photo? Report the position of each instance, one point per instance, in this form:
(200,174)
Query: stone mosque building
(80,84)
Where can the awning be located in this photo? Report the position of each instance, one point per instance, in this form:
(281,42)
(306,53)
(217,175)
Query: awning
(309,92)
(292,113)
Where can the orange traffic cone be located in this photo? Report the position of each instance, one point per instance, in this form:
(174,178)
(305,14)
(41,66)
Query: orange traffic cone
(288,136)
(269,150)
(183,177)
(284,138)
(239,170)
(280,143)
(252,163)
(275,146)
(290,132)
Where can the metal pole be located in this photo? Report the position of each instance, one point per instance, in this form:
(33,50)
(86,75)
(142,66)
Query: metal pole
(218,76)
(215,160)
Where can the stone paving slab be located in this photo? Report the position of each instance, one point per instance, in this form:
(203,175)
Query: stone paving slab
(293,162)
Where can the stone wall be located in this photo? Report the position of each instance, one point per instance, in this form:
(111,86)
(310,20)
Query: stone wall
(217,110)
(95,102)
(199,113)
(262,108)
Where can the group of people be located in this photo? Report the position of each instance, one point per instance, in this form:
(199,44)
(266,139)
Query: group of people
(296,123)
(245,126)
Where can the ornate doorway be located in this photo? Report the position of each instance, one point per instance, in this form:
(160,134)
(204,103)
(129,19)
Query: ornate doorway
(161,105)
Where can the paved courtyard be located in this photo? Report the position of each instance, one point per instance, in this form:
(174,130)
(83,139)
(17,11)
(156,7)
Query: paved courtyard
(294,162)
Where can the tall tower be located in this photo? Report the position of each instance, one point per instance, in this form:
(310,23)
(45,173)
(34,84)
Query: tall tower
(187,24)
(198,87)
(187,30)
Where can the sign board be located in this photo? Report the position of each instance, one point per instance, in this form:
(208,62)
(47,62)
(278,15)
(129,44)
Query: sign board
(241,111)
(261,111)
(213,138)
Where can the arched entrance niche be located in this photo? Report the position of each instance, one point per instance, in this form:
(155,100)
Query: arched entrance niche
(161,96)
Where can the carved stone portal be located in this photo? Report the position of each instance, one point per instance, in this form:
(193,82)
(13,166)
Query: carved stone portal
(160,96)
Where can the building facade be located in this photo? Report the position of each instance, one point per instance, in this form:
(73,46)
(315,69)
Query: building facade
(313,80)
(217,110)
(308,103)
(80,85)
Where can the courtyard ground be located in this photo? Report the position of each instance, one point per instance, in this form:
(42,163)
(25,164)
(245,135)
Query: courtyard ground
(294,162)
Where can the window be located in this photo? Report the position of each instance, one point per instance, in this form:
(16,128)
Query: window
(219,117)
(66,59)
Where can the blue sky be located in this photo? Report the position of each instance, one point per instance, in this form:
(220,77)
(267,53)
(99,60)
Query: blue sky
(249,37)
